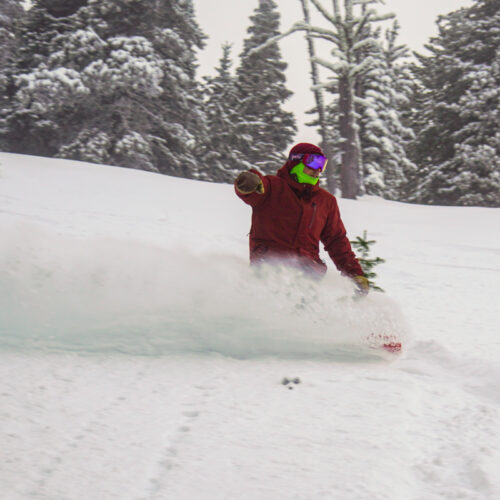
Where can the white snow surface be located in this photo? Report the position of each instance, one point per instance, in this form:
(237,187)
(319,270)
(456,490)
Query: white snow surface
(142,358)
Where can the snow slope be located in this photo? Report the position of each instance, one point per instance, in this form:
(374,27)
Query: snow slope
(142,358)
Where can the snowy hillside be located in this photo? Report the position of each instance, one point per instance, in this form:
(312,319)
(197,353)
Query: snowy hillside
(141,357)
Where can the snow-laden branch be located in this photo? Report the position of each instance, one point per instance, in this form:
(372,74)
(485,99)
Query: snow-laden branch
(366,42)
(317,36)
(383,17)
(367,2)
(330,85)
(339,54)
(370,16)
(325,13)
(338,67)
(322,33)
(298,26)
(362,22)
(314,31)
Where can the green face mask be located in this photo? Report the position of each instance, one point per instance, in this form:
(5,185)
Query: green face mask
(302,177)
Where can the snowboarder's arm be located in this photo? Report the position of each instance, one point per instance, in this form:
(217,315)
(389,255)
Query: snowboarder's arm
(252,187)
(337,245)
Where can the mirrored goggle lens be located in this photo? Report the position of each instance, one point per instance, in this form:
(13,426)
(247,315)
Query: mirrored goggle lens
(316,162)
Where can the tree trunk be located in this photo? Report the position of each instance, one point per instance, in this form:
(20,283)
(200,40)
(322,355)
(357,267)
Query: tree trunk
(320,104)
(349,169)
(350,180)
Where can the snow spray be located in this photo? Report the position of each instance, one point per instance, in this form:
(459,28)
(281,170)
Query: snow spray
(100,294)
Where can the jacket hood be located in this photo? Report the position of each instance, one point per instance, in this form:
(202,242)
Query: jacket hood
(300,149)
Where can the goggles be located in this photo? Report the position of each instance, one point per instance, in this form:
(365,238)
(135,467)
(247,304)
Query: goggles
(312,160)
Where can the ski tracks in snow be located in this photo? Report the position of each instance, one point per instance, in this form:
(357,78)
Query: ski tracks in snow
(106,427)
(206,426)
(95,433)
(194,401)
(458,410)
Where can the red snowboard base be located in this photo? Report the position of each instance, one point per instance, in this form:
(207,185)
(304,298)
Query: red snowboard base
(388,343)
(392,346)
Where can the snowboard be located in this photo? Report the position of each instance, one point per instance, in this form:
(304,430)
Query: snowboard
(385,342)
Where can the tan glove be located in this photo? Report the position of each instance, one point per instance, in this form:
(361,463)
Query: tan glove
(248,182)
(362,284)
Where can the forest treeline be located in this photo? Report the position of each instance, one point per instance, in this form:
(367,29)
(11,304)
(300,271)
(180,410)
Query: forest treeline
(115,82)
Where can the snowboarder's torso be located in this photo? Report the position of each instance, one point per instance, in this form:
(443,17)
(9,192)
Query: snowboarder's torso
(290,219)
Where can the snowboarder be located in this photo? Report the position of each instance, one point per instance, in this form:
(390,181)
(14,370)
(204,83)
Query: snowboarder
(291,214)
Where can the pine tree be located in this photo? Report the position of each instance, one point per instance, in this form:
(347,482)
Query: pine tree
(362,246)
(350,35)
(328,141)
(11,14)
(402,96)
(112,82)
(43,22)
(357,58)
(262,91)
(172,119)
(25,130)
(458,140)
(221,158)
(385,95)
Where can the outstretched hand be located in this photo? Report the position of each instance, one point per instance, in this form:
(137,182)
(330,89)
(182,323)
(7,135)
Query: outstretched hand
(248,182)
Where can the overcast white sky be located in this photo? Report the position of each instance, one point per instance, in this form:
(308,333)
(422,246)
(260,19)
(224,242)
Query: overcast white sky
(227,20)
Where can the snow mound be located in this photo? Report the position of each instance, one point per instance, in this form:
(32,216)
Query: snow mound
(103,294)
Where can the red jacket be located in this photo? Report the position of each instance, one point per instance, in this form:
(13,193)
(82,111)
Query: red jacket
(290,219)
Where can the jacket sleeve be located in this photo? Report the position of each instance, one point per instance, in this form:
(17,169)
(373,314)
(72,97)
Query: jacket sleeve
(256,199)
(337,244)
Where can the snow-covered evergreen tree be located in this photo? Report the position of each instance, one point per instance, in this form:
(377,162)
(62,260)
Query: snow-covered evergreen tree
(262,92)
(458,143)
(221,158)
(45,20)
(114,83)
(351,35)
(328,143)
(371,90)
(168,116)
(25,130)
(386,93)
(11,14)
